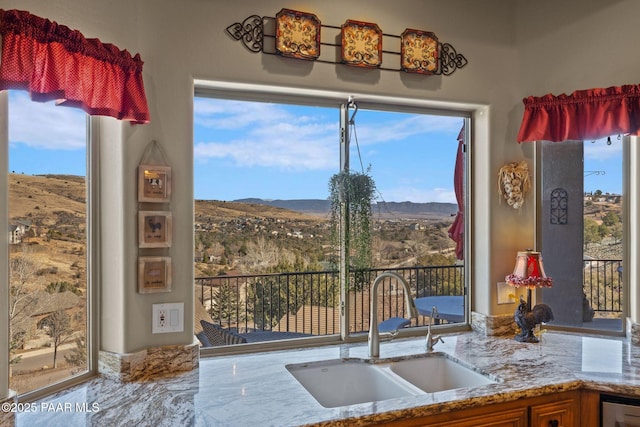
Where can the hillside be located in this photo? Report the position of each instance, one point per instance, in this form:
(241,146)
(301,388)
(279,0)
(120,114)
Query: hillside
(381,209)
(240,209)
(54,205)
(47,199)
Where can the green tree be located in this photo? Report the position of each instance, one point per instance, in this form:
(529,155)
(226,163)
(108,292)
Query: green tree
(591,232)
(616,232)
(226,305)
(610,219)
(60,287)
(603,231)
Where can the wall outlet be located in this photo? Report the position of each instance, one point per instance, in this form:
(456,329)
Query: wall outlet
(167,318)
(506,293)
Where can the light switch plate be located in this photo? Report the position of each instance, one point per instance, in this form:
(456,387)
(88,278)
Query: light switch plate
(168,318)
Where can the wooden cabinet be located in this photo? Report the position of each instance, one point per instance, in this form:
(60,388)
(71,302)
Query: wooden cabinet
(590,408)
(511,418)
(561,413)
(553,410)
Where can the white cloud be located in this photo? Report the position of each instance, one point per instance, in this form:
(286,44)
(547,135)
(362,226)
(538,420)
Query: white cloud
(45,125)
(270,135)
(279,151)
(409,127)
(218,114)
(267,136)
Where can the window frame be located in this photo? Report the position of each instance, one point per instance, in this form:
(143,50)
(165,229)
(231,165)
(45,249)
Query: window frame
(324,98)
(630,175)
(92,257)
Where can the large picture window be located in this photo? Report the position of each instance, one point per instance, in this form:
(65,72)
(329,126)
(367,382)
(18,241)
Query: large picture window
(582,225)
(48,228)
(267,247)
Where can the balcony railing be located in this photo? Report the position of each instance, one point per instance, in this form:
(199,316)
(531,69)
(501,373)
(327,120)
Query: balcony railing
(603,284)
(309,302)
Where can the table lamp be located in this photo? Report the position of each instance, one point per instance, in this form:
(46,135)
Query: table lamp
(529,273)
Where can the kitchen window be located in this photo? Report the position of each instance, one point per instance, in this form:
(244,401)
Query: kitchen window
(266,256)
(49,246)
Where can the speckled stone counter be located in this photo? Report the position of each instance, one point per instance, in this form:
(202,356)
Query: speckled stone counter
(257,390)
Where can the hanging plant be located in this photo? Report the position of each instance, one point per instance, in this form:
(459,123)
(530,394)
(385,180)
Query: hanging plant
(513,183)
(358,191)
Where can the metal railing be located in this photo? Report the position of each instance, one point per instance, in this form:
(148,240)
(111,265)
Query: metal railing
(602,284)
(309,302)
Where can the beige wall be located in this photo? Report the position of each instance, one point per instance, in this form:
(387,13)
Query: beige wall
(574,45)
(513,51)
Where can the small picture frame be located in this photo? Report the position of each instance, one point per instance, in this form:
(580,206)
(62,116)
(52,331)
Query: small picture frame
(154,274)
(154,229)
(154,183)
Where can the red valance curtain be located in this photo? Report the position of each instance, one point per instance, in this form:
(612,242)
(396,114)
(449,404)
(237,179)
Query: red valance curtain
(53,62)
(583,115)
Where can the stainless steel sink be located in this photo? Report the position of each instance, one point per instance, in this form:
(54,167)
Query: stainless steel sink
(342,382)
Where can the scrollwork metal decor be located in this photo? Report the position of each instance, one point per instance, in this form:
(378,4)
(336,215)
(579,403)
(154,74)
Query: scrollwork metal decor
(251,33)
(450,60)
(559,206)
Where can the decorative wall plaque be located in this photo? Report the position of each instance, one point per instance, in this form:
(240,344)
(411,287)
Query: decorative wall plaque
(154,183)
(559,206)
(154,229)
(419,52)
(361,44)
(297,34)
(154,274)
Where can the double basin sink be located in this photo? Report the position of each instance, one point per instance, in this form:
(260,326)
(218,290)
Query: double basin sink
(341,382)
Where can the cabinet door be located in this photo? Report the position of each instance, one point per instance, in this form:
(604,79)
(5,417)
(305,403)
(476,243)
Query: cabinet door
(557,414)
(511,418)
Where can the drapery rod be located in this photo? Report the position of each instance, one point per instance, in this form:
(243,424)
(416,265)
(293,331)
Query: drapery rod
(608,139)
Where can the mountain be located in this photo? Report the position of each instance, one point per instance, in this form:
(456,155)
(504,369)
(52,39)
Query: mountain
(383,209)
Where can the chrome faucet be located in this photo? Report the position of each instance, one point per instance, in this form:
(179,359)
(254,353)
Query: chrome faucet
(374,335)
(431,339)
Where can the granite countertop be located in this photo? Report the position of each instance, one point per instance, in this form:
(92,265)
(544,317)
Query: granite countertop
(257,390)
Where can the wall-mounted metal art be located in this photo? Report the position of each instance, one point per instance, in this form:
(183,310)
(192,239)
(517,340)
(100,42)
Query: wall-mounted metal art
(419,52)
(361,44)
(299,35)
(559,206)
(250,32)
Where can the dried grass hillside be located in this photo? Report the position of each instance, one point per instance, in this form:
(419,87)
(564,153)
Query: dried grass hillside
(54,205)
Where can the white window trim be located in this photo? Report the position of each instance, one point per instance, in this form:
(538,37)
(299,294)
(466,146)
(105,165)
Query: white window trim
(324,98)
(93,257)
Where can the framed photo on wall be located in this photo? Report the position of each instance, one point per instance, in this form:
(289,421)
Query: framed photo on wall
(154,229)
(154,183)
(154,274)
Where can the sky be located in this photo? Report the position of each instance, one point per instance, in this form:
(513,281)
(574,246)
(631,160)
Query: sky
(278,151)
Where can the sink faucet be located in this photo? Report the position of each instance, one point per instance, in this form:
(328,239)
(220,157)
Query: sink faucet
(432,339)
(374,335)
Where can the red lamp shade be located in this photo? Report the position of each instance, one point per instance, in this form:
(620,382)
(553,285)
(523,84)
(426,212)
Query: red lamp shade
(529,272)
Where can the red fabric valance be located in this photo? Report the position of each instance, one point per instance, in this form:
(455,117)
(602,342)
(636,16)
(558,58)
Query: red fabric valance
(582,116)
(53,62)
